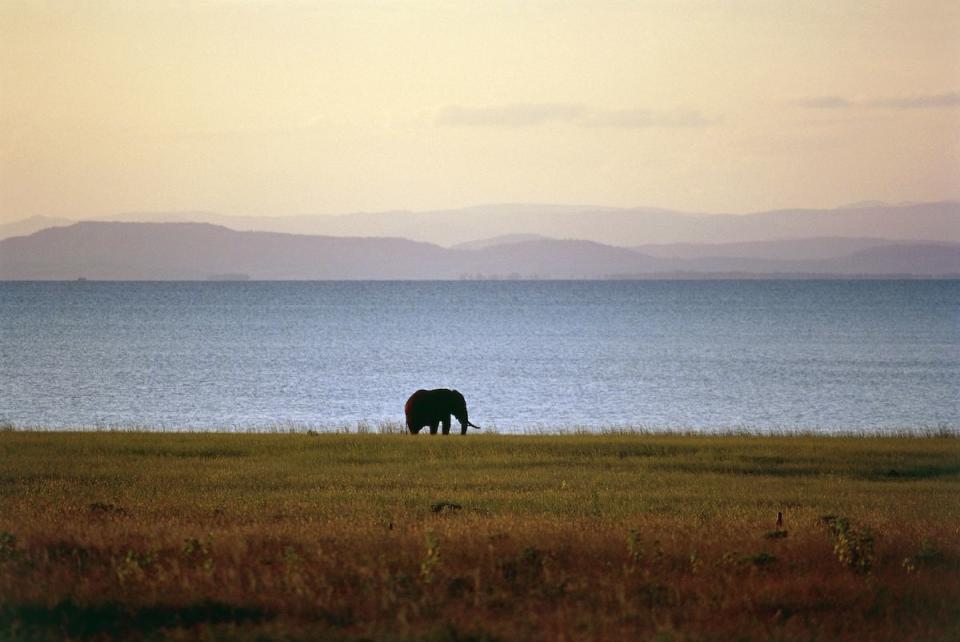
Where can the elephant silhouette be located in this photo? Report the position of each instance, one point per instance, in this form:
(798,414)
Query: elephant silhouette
(433,408)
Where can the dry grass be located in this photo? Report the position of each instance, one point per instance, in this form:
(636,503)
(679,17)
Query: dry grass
(620,537)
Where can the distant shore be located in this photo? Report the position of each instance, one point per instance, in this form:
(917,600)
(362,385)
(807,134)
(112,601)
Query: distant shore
(398,428)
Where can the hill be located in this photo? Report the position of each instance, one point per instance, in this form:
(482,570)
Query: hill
(30,225)
(506,239)
(610,226)
(197,251)
(789,249)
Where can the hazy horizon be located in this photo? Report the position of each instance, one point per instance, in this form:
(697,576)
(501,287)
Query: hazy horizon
(290,108)
(101,216)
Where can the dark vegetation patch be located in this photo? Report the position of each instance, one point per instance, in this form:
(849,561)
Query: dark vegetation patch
(760,559)
(112,620)
(105,508)
(928,556)
(909,473)
(523,570)
(445,507)
(74,553)
(612,450)
(181,452)
(742,469)
(8,545)
(450,633)
(860,464)
(652,450)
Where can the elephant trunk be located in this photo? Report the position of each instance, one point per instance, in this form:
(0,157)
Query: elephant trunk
(473,425)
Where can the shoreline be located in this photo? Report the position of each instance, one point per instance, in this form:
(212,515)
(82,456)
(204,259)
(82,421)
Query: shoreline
(396,428)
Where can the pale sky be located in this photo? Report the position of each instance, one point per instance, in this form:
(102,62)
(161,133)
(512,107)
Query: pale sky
(275,108)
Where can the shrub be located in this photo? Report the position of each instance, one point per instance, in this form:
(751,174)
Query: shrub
(760,559)
(431,560)
(8,545)
(634,550)
(928,555)
(853,546)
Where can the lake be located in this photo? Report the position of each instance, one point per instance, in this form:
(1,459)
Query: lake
(528,355)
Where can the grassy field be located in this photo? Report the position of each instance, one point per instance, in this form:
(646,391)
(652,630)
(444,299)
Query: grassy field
(606,537)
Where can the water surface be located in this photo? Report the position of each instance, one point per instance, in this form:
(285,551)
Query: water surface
(818,355)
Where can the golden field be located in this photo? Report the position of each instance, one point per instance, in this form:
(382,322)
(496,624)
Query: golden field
(137,535)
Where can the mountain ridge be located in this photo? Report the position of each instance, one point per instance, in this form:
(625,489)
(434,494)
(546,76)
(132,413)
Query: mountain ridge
(624,227)
(200,251)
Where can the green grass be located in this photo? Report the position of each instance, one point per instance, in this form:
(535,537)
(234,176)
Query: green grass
(615,536)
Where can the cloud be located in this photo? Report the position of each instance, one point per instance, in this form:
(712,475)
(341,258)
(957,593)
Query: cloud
(511,115)
(950,99)
(824,102)
(631,118)
(575,114)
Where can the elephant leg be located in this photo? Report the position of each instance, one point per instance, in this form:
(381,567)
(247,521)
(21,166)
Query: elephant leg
(433,428)
(463,429)
(446,425)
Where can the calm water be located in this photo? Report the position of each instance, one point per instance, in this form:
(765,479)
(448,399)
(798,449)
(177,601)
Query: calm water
(824,355)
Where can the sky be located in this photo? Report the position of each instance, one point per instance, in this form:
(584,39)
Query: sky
(287,107)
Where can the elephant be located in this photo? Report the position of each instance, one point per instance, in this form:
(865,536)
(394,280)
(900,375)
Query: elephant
(434,407)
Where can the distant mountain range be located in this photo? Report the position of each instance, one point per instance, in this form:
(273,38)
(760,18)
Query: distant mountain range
(199,251)
(610,226)
(31,225)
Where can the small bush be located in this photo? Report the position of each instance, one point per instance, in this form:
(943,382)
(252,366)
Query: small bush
(853,546)
(928,555)
(523,569)
(431,560)
(103,508)
(760,559)
(634,550)
(445,507)
(8,545)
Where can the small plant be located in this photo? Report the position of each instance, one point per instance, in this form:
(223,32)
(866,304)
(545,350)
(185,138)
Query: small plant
(135,565)
(431,560)
(8,545)
(532,557)
(525,568)
(445,507)
(760,559)
(197,552)
(458,587)
(194,548)
(928,555)
(853,547)
(634,550)
(103,508)
(696,562)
